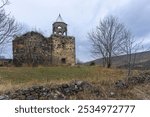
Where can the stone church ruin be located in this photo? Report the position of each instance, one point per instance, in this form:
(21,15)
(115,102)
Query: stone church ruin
(32,48)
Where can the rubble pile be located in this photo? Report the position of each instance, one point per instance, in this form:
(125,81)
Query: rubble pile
(48,93)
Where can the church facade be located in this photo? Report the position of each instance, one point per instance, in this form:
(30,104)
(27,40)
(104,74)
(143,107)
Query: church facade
(32,48)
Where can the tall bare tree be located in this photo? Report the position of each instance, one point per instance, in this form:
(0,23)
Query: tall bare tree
(8,25)
(127,47)
(107,38)
(130,48)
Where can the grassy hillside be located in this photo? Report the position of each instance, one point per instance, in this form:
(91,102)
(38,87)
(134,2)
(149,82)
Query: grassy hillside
(12,77)
(141,60)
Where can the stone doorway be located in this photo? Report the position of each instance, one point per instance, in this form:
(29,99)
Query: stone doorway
(63,60)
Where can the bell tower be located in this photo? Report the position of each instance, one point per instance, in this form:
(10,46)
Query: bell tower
(59,27)
(62,45)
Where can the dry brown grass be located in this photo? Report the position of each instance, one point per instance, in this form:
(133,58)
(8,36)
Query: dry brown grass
(18,77)
(12,78)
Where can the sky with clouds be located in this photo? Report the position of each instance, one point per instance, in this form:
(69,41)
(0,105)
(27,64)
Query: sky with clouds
(82,16)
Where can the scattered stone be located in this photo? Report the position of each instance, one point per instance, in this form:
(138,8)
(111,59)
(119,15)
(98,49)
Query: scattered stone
(3,97)
(121,84)
(134,80)
(96,92)
(141,78)
(46,92)
(112,93)
(31,97)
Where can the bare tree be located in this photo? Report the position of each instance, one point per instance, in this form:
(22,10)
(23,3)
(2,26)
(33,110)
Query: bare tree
(107,38)
(130,48)
(3,3)
(8,25)
(127,47)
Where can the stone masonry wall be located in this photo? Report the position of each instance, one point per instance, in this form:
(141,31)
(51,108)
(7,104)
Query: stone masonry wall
(34,49)
(31,48)
(48,92)
(63,51)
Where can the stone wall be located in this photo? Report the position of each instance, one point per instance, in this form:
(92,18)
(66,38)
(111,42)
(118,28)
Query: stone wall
(48,92)
(63,51)
(33,48)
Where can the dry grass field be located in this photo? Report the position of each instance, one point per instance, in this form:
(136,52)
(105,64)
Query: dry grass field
(12,78)
(25,76)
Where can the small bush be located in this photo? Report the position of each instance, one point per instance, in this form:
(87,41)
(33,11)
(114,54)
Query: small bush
(92,63)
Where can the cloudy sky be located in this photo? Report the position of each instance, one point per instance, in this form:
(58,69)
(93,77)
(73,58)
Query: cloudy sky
(82,16)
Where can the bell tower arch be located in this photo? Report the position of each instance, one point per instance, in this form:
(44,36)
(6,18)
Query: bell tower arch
(59,27)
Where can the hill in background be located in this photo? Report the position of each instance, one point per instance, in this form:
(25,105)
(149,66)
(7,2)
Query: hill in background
(141,60)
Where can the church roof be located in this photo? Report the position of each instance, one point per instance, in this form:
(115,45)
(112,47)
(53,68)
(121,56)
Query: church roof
(59,19)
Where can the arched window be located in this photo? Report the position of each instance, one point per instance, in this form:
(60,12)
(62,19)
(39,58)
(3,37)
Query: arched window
(59,27)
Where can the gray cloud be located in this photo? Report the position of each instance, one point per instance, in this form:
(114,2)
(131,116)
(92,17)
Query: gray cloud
(136,15)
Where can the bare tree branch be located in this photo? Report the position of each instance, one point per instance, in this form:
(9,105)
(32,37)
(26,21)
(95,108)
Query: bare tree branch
(106,39)
(8,25)
(4,2)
